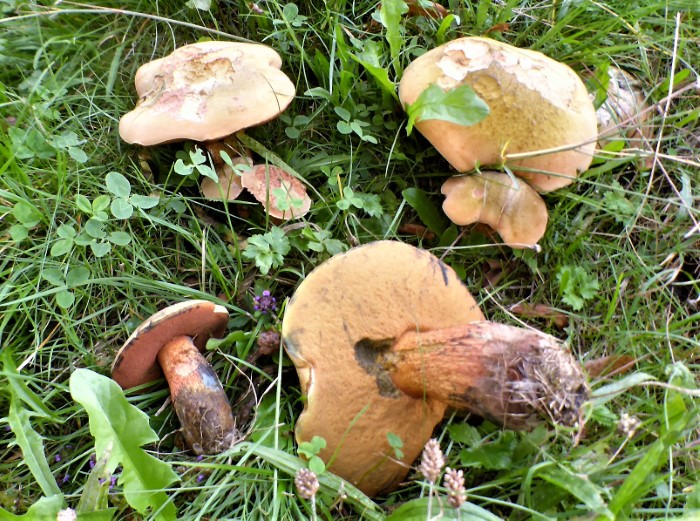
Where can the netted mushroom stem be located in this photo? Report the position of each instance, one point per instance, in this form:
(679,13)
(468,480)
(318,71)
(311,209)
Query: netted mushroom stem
(515,377)
(198,397)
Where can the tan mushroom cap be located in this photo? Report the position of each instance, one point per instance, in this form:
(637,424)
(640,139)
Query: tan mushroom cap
(205,91)
(136,362)
(265,183)
(535,104)
(229,186)
(511,207)
(346,306)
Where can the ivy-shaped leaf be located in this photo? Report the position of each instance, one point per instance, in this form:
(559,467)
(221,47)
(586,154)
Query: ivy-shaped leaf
(460,105)
(121,427)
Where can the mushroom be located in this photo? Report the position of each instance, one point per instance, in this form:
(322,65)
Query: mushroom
(169,343)
(541,124)
(205,91)
(282,195)
(385,337)
(509,206)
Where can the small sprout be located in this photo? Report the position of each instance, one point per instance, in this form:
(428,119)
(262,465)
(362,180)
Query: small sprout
(628,425)
(67,514)
(432,461)
(454,483)
(306,483)
(265,302)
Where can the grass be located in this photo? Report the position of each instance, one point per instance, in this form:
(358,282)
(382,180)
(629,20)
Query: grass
(621,257)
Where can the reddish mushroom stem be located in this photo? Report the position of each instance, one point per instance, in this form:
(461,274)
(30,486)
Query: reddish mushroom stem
(512,376)
(198,397)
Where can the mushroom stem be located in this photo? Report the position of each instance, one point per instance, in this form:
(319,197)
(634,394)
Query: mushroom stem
(515,377)
(198,397)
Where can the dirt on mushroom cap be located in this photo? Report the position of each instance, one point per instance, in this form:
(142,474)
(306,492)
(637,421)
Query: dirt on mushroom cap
(368,295)
(205,91)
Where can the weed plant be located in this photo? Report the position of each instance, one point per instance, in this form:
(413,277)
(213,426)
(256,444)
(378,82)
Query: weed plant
(96,235)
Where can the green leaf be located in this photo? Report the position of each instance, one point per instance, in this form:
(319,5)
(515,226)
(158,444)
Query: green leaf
(426,210)
(460,105)
(577,485)
(54,276)
(77,276)
(83,203)
(122,428)
(144,201)
(65,299)
(95,493)
(268,250)
(118,184)
(100,204)
(32,448)
(121,208)
(27,214)
(66,231)
(95,228)
(396,443)
(418,510)
(19,232)
(119,238)
(100,249)
(390,17)
(61,247)
(45,509)
(316,465)
(369,58)
(19,389)
(77,154)
(576,286)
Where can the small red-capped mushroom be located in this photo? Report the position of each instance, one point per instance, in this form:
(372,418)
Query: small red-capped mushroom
(282,195)
(169,343)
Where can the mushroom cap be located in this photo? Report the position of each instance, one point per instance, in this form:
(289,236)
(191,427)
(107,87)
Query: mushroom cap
(228,187)
(511,207)
(136,362)
(365,298)
(264,182)
(624,112)
(535,104)
(205,91)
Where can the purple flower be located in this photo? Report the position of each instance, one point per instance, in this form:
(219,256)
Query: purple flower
(200,478)
(265,302)
(57,458)
(64,479)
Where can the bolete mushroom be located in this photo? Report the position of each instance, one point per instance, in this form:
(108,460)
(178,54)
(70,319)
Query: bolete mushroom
(385,337)
(282,195)
(509,206)
(541,124)
(169,343)
(205,91)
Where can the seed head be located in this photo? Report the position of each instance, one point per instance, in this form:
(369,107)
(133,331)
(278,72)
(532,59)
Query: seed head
(306,483)
(67,514)
(432,461)
(628,425)
(454,483)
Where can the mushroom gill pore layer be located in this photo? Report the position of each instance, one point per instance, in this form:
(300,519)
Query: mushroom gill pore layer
(536,104)
(354,303)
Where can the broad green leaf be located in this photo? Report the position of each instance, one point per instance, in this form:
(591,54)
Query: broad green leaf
(121,208)
(32,448)
(418,510)
(119,238)
(65,299)
(427,211)
(95,493)
(390,17)
(144,201)
(77,154)
(577,485)
(54,276)
(19,232)
(45,509)
(100,204)
(61,247)
(66,231)
(118,184)
(77,276)
(21,391)
(117,425)
(100,249)
(460,105)
(369,58)
(316,465)
(95,228)
(83,203)
(27,214)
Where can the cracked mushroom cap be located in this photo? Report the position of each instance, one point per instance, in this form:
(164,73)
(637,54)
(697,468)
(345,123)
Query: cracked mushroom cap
(136,362)
(535,104)
(206,91)
(348,306)
(509,206)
